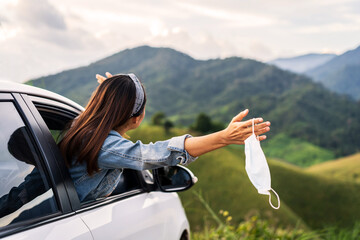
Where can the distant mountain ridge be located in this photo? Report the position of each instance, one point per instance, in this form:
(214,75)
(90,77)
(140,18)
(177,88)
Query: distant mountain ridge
(341,74)
(181,87)
(303,63)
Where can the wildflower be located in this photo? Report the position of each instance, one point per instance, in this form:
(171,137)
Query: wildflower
(229,218)
(225,213)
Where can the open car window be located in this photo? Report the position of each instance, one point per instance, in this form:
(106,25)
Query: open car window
(58,117)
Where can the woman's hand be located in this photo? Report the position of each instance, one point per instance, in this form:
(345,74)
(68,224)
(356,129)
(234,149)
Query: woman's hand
(101,79)
(237,132)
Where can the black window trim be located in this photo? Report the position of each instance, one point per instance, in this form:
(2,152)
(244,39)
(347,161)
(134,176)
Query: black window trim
(56,165)
(45,151)
(50,104)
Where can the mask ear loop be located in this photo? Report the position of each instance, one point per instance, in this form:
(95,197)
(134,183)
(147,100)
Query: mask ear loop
(253,127)
(252,121)
(277,199)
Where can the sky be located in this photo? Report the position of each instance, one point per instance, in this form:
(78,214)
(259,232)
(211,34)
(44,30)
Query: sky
(42,37)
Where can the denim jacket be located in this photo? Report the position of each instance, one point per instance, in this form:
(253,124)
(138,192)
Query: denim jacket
(117,153)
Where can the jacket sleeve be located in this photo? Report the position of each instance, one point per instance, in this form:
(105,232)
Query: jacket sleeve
(118,152)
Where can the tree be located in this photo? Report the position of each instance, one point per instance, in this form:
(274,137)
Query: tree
(158,118)
(203,123)
(167,126)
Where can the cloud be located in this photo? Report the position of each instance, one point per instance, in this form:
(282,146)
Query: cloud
(261,50)
(329,28)
(45,36)
(238,18)
(43,23)
(2,19)
(39,41)
(39,13)
(201,45)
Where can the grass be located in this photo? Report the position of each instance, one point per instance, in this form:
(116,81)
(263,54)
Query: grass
(253,227)
(344,169)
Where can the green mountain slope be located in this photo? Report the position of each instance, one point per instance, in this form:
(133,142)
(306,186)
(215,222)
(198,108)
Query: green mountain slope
(341,74)
(182,87)
(306,198)
(295,151)
(344,169)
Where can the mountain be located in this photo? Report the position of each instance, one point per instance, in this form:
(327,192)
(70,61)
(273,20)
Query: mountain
(182,87)
(341,74)
(302,63)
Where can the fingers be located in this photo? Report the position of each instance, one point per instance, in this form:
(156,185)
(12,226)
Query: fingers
(261,138)
(262,131)
(261,126)
(240,116)
(248,123)
(100,79)
(259,130)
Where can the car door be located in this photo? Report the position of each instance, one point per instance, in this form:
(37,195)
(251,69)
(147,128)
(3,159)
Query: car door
(33,201)
(153,215)
(131,212)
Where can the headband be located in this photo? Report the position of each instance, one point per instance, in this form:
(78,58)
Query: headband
(139,94)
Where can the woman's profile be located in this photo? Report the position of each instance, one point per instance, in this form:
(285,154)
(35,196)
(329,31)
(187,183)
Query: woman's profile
(96,151)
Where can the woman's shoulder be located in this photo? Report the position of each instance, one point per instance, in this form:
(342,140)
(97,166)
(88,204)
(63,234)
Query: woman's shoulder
(114,138)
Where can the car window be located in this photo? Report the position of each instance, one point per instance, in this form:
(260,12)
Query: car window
(25,192)
(58,120)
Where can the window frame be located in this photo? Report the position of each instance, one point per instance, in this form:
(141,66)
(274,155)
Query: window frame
(29,123)
(55,161)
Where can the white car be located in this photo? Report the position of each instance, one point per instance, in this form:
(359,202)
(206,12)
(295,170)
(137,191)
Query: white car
(37,196)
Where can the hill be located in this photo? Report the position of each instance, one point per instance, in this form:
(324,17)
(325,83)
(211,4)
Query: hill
(296,151)
(307,199)
(344,169)
(182,87)
(303,63)
(341,74)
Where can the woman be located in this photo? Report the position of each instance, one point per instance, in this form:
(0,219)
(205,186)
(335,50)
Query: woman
(96,151)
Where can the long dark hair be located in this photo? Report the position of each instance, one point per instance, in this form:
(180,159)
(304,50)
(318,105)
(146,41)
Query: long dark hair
(110,107)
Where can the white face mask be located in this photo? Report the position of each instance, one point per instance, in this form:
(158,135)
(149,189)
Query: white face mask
(257,168)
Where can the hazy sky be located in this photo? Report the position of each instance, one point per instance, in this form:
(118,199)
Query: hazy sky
(40,37)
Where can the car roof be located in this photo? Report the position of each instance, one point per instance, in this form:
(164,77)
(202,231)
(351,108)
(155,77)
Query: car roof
(14,87)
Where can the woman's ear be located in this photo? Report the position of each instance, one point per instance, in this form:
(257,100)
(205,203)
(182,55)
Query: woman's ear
(135,120)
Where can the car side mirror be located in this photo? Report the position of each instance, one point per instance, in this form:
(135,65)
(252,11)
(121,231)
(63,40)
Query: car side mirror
(174,178)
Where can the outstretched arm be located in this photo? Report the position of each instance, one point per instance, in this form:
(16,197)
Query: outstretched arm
(236,133)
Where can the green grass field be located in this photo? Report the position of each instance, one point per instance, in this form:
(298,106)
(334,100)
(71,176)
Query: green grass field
(345,169)
(309,197)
